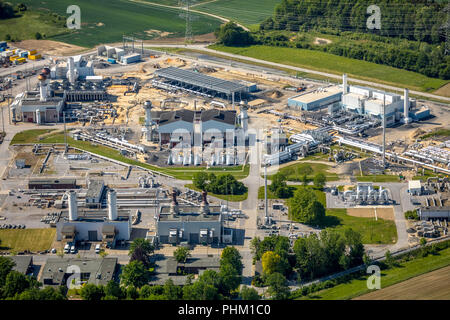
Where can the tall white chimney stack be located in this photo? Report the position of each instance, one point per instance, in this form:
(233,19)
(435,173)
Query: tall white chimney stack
(344,83)
(73,208)
(406,118)
(112,205)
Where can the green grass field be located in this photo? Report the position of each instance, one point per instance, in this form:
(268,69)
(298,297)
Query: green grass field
(26,25)
(29,136)
(18,240)
(405,271)
(105,21)
(295,171)
(327,62)
(373,231)
(231,198)
(378,178)
(182,173)
(247,12)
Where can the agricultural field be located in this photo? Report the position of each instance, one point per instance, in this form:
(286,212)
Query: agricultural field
(119,17)
(18,240)
(429,286)
(405,271)
(327,62)
(182,173)
(248,13)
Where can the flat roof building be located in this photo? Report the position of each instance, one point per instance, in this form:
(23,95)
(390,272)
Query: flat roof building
(319,98)
(63,183)
(189,223)
(415,187)
(196,81)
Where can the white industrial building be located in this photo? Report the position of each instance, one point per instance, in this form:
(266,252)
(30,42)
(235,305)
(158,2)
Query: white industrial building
(206,125)
(38,106)
(415,187)
(370,101)
(75,68)
(190,223)
(108,225)
(109,52)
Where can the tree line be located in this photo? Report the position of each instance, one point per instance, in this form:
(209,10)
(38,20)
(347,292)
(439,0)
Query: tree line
(419,20)
(413,34)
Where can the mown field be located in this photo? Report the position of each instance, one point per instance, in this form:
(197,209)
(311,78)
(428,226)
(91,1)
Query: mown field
(105,21)
(249,12)
(182,173)
(330,63)
(34,240)
(405,271)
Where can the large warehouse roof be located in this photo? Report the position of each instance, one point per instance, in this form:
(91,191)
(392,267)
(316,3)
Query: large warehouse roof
(200,80)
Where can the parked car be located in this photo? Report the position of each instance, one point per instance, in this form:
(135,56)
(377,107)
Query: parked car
(66,248)
(73,249)
(97,248)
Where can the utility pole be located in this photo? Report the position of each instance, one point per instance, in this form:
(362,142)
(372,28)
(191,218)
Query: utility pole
(3,121)
(188,37)
(266,209)
(65,133)
(384,131)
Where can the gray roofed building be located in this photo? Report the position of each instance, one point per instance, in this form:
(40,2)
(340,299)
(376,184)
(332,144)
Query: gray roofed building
(94,193)
(96,271)
(23,263)
(200,80)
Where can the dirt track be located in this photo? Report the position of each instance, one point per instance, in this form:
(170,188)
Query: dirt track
(430,286)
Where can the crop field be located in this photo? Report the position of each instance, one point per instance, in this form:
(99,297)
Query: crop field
(429,286)
(247,12)
(327,62)
(105,21)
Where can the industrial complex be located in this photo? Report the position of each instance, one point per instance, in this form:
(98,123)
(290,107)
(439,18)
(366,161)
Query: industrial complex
(103,148)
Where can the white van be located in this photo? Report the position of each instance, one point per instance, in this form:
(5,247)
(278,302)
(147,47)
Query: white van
(97,248)
(66,248)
